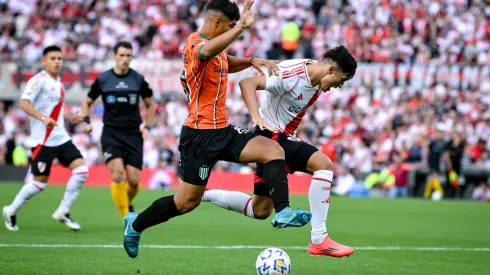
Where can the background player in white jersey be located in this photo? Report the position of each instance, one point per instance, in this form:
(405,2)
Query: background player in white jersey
(298,86)
(42,100)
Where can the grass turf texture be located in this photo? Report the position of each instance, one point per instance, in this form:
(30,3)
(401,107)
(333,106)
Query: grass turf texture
(355,222)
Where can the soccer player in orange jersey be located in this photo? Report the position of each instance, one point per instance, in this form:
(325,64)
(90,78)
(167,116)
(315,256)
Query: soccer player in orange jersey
(207,135)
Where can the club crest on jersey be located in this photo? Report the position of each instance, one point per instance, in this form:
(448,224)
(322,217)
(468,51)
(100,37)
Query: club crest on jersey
(294,138)
(204,172)
(110,99)
(41,166)
(133,99)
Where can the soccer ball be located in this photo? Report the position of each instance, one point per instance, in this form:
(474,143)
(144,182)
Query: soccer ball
(436,196)
(273,261)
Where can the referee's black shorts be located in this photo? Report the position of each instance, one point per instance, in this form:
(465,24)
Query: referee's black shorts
(123,143)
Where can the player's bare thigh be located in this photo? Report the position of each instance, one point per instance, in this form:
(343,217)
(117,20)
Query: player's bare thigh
(261,149)
(133,174)
(116,168)
(188,196)
(319,161)
(76,163)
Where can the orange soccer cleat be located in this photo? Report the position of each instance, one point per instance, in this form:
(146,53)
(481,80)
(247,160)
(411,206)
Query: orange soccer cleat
(330,248)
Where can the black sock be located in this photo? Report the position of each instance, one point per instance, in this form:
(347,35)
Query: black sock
(276,180)
(160,211)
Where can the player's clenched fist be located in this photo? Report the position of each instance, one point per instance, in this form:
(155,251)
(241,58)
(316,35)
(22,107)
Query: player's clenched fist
(48,122)
(87,128)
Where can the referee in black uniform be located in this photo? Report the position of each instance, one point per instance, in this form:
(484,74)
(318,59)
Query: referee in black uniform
(122,139)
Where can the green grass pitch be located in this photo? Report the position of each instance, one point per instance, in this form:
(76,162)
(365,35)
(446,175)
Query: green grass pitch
(388,234)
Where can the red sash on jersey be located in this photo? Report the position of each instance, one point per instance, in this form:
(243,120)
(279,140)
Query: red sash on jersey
(54,116)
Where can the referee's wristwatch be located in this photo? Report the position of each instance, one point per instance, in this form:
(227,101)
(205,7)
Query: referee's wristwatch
(148,127)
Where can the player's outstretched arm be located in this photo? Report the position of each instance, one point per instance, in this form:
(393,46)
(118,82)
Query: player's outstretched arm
(221,42)
(249,87)
(236,64)
(27,107)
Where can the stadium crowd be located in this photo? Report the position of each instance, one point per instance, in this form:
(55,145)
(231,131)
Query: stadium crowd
(359,127)
(406,31)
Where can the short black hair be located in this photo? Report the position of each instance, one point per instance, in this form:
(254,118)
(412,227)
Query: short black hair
(52,48)
(122,44)
(227,7)
(343,58)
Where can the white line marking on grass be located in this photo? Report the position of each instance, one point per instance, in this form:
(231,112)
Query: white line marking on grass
(240,247)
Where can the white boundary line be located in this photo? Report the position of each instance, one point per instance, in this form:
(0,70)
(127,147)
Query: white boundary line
(241,247)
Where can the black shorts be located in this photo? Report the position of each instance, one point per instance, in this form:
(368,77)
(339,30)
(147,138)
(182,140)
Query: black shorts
(200,150)
(297,154)
(66,153)
(124,144)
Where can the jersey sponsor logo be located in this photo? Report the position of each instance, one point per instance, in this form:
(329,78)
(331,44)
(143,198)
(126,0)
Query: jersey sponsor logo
(220,71)
(41,166)
(122,85)
(133,99)
(204,172)
(300,97)
(297,109)
(122,99)
(110,99)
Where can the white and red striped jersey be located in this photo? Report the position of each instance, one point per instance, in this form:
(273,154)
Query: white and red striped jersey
(46,95)
(289,95)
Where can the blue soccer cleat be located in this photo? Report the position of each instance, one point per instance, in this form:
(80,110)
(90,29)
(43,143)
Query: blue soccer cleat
(291,218)
(131,237)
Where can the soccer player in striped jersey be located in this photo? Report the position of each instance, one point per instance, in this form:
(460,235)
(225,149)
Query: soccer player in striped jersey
(289,96)
(43,100)
(207,135)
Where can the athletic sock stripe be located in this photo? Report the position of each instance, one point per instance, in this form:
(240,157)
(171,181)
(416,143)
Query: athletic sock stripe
(322,179)
(246,205)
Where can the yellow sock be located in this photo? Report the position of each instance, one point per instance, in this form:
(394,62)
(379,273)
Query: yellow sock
(120,198)
(428,188)
(132,191)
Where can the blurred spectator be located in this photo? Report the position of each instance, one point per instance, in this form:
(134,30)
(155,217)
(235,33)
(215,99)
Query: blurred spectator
(162,178)
(402,31)
(481,192)
(344,181)
(400,171)
(453,156)
(435,150)
(9,150)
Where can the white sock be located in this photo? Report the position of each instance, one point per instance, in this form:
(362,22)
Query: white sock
(28,190)
(319,196)
(29,177)
(231,200)
(73,187)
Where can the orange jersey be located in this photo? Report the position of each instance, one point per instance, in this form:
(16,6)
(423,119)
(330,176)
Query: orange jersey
(205,83)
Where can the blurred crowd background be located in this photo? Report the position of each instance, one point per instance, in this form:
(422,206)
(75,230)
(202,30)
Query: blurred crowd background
(359,127)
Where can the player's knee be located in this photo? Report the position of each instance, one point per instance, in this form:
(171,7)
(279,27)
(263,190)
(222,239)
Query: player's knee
(262,213)
(322,164)
(187,205)
(133,180)
(81,172)
(117,176)
(326,164)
